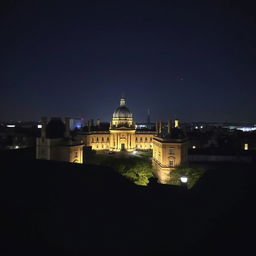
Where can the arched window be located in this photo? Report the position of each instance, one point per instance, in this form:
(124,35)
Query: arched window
(136,139)
(92,140)
(102,139)
(171,161)
(140,139)
(107,139)
(97,139)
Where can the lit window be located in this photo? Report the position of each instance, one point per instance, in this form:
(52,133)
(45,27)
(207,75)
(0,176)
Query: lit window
(171,151)
(76,154)
(172,163)
(246,146)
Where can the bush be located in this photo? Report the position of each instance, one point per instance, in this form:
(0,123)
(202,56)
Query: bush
(193,175)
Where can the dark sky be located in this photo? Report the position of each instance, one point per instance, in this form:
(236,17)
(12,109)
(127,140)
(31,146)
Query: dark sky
(194,60)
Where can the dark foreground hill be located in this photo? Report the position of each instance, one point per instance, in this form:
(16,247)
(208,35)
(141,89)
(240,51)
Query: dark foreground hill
(52,208)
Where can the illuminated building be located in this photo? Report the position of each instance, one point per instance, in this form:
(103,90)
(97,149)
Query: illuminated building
(56,143)
(121,135)
(170,149)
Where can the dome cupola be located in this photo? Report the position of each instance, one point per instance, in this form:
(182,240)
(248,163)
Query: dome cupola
(122,117)
(122,111)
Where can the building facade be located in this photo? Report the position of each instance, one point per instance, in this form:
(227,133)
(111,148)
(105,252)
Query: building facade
(121,135)
(168,153)
(169,146)
(55,142)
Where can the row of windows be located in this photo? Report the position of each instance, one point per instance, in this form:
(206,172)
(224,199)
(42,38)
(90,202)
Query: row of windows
(157,156)
(102,139)
(107,139)
(146,139)
(142,146)
(101,147)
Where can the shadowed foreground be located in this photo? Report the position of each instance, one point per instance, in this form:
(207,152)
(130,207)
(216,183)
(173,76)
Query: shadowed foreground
(58,208)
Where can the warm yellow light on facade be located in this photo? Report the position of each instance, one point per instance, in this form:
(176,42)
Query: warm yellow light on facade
(246,146)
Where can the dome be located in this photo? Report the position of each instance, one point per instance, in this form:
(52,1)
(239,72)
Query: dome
(122,111)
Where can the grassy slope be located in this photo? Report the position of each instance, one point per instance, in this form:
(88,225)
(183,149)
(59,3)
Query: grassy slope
(58,208)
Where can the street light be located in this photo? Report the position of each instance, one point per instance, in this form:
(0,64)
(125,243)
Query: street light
(184,181)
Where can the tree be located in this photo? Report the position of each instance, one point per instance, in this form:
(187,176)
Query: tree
(139,174)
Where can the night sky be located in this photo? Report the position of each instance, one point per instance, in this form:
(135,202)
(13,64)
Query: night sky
(192,60)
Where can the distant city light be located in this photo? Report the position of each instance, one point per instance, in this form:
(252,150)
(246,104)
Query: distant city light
(242,128)
(184,179)
(10,125)
(247,129)
(246,146)
(134,152)
(201,127)
(39,126)
(194,147)
(139,126)
(196,127)
(16,147)
(78,126)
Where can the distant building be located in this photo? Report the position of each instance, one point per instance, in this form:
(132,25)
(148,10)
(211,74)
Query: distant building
(56,143)
(76,123)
